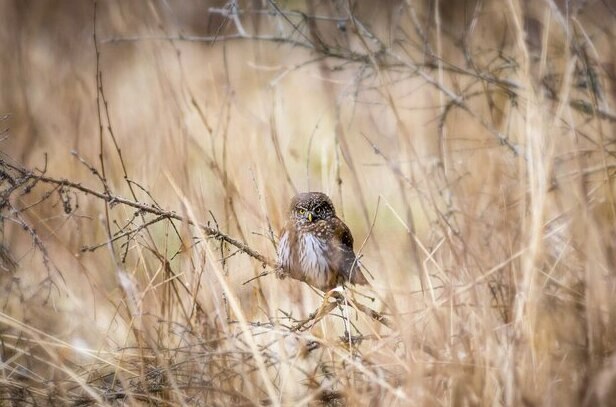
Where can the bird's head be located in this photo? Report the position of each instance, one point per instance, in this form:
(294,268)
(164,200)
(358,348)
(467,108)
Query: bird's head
(310,207)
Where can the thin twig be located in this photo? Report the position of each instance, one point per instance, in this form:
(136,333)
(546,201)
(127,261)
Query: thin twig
(115,199)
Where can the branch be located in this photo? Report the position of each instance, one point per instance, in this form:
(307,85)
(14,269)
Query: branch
(112,199)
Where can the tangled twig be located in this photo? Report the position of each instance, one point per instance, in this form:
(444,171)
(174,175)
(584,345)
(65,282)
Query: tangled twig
(112,199)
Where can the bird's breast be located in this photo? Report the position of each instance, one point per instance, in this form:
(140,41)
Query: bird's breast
(313,259)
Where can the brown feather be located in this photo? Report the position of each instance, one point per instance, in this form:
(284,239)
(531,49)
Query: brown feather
(316,246)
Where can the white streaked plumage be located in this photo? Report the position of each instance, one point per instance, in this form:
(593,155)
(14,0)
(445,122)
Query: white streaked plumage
(284,254)
(313,259)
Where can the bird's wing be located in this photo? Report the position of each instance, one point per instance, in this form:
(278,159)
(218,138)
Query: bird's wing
(346,262)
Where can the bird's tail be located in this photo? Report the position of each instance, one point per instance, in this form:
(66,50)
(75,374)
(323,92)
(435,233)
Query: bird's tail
(356,276)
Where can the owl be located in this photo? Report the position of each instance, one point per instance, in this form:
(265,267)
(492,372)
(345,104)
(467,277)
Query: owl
(316,246)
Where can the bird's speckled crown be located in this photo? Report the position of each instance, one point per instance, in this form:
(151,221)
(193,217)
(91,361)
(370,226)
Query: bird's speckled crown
(310,199)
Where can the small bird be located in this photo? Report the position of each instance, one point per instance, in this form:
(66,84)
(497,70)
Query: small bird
(316,246)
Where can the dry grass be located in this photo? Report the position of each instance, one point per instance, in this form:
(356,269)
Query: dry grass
(468,145)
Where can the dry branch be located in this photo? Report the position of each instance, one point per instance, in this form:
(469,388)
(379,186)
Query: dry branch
(28,176)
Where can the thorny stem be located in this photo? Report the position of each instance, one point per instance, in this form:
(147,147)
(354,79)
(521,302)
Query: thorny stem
(143,207)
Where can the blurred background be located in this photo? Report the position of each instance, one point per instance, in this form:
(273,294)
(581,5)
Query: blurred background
(468,145)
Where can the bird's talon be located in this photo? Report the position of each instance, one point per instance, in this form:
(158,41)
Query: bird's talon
(280,274)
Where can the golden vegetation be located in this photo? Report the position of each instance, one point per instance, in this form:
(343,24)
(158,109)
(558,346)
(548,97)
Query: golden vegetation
(468,145)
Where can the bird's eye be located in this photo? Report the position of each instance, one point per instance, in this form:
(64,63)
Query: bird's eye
(319,210)
(301,211)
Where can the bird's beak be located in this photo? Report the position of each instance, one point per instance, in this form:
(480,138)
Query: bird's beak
(309,216)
